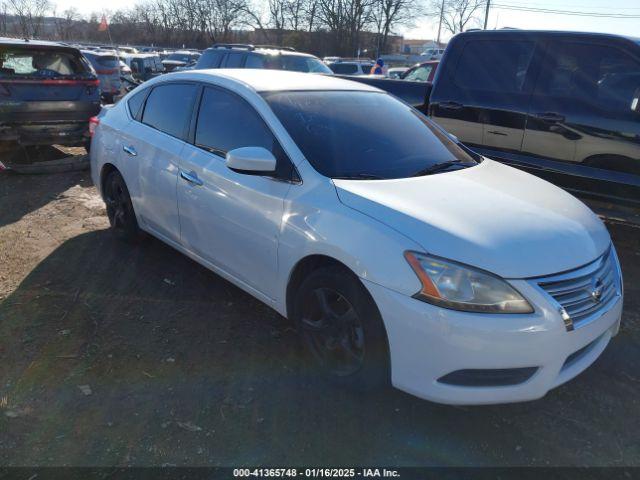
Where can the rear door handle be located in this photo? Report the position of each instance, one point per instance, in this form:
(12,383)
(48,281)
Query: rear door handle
(550,117)
(130,150)
(192,178)
(451,105)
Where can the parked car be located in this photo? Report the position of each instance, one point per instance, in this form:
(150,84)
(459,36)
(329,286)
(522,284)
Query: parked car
(396,72)
(144,65)
(422,72)
(433,53)
(107,66)
(351,68)
(180,59)
(562,105)
(299,190)
(48,92)
(127,50)
(260,56)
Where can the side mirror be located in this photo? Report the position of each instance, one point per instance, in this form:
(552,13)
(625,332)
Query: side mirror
(251,160)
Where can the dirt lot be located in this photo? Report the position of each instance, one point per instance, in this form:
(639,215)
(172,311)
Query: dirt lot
(119,355)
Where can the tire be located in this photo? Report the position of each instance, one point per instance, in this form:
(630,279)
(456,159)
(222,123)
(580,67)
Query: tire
(122,217)
(334,313)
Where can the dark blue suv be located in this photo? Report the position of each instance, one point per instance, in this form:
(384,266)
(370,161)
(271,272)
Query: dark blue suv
(48,92)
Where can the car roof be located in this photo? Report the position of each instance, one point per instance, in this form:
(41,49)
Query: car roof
(263,80)
(542,33)
(100,53)
(34,43)
(352,62)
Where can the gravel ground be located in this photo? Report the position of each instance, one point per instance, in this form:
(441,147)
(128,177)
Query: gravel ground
(120,355)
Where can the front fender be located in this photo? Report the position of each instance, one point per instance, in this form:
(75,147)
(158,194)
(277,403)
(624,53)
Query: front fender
(371,249)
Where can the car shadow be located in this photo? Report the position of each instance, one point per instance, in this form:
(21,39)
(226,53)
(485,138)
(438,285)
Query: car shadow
(115,354)
(15,203)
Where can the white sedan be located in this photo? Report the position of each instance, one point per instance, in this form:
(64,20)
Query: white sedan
(402,256)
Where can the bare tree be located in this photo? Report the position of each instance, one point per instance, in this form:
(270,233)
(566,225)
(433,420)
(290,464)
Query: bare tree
(459,14)
(30,15)
(389,14)
(66,25)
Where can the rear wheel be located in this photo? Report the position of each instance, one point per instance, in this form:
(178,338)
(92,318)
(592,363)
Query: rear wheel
(120,209)
(342,329)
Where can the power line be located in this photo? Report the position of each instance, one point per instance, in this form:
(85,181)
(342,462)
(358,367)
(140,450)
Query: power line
(564,12)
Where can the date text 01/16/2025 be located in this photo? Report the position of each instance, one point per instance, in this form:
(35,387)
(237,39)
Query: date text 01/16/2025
(315,472)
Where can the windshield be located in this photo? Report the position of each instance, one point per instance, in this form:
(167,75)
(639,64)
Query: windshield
(45,63)
(295,63)
(346,134)
(179,57)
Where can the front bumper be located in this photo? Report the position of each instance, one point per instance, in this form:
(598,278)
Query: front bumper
(427,343)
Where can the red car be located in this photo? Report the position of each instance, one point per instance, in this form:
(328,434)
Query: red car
(421,72)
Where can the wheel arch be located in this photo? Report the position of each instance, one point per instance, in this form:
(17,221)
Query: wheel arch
(106,169)
(302,269)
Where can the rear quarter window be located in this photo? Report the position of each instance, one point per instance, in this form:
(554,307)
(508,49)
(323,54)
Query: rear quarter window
(135,104)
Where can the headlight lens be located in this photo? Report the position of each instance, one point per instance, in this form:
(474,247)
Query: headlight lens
(460,287)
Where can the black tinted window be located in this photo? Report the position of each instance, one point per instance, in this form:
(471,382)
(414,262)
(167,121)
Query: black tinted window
(254,61)
(210,59)
(169,108)
(135,104)
(225,122)
(494,65)
(344,68)
(363,134)
(600,75)
(234,60)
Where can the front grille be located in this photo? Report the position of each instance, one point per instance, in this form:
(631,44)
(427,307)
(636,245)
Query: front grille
(584,292)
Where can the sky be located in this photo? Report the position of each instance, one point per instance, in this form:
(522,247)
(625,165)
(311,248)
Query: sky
(499,16)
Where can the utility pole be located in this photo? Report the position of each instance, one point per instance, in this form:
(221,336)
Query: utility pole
(440,24)
(486,14)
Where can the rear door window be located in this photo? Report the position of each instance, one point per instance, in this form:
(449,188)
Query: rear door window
(602,76)
(210,59)
(494,65)
(254,61)
(169,108)
(234,60)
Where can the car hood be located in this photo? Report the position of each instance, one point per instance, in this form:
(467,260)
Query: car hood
(490,216)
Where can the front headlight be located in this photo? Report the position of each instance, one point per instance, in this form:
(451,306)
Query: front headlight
(460,287)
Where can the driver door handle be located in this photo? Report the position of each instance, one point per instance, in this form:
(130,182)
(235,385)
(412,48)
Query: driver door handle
(192,178)
(130,150)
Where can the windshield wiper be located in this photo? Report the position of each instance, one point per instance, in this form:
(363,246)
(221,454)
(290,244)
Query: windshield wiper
(361,176)
(438,167)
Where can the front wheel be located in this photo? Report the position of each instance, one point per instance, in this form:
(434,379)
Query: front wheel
(342,329)
(120,209)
